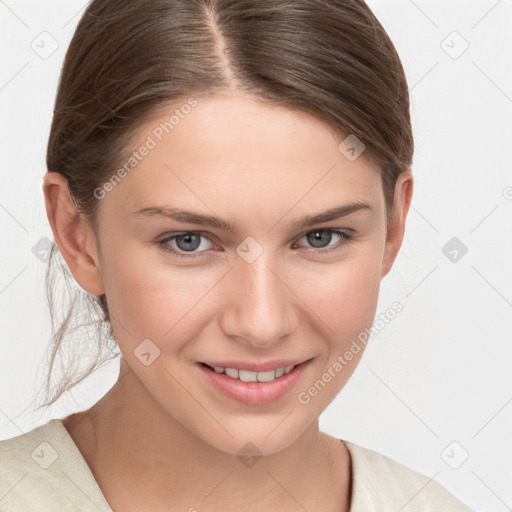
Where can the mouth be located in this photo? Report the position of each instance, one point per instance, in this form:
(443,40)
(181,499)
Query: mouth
(252,376)
(250,384)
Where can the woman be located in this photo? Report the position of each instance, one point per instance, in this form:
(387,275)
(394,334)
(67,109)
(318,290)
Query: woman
(231,181)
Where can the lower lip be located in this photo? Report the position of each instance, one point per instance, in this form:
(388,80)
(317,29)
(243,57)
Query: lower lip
(254,393)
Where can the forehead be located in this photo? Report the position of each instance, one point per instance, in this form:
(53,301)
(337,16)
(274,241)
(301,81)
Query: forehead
(238,152)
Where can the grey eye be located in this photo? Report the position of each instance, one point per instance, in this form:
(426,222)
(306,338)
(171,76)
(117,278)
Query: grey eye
(188,241)
(319,239)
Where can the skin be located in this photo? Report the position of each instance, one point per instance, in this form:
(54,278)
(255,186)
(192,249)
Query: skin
(162,438)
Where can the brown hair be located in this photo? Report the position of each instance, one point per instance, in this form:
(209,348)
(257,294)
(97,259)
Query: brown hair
(128,58)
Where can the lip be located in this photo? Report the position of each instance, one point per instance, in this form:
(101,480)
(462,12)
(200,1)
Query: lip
(253,393)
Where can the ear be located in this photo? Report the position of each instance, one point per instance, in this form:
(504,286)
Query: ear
(73,234)
(401,202)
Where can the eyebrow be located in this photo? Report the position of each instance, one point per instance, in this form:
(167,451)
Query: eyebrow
(190,217)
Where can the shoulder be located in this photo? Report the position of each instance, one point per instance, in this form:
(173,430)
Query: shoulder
(43,470)
(380,483)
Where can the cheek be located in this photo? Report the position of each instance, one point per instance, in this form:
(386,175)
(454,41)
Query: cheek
(149,299)
(344,294)
(346,303)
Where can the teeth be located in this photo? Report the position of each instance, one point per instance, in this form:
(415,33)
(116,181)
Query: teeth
(231,372)
(248,376)
(266,376)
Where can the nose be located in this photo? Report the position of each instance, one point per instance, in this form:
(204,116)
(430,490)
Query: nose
(260,309)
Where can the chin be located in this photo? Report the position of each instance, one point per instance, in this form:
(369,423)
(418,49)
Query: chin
(251,445)
(248,437)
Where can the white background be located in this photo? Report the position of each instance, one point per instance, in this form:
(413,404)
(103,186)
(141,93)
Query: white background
(440,371)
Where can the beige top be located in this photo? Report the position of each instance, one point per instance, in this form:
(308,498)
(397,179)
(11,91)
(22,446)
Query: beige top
(44,471)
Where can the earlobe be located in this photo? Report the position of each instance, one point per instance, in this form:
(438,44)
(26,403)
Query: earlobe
(401,203)
(72,233)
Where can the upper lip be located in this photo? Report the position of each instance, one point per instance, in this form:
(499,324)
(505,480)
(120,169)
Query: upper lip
(255,367)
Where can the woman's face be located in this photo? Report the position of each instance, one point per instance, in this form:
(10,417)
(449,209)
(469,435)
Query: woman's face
(272,292)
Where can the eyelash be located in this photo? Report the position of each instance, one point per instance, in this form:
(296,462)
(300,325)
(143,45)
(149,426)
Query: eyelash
(347,238)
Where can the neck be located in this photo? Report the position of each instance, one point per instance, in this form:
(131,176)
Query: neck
(142,457)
